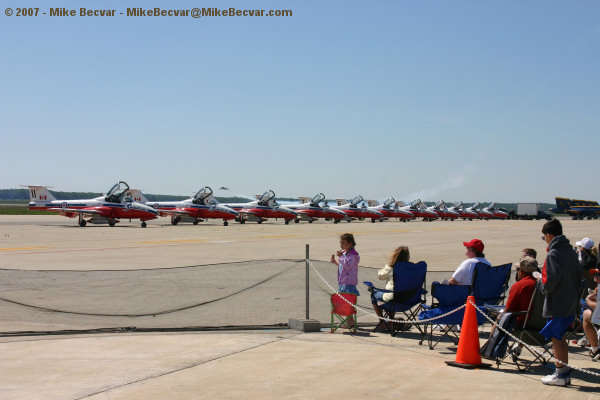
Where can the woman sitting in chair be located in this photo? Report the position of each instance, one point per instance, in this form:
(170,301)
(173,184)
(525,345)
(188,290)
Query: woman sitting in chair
(401,254)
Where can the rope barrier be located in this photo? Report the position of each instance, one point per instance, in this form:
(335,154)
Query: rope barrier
(532,349)
(368,312)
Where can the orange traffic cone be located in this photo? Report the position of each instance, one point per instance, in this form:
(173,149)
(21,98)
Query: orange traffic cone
(467,355)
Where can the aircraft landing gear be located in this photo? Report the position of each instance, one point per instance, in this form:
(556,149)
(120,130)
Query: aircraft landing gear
(195,221)
(225,223)
(111,222)
(296,220)
(260,221)
(287,221)
(373,220)
(336,221)
(82,222)
(310,221)
(144,224)
(175,219)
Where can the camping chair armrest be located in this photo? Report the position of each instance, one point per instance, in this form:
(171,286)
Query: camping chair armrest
(493,307)
(371,286)
(520,312)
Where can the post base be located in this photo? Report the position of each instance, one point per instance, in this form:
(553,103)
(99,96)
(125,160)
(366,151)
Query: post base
(305,325)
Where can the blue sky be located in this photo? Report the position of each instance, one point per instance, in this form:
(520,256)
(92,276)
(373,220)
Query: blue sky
(454,100)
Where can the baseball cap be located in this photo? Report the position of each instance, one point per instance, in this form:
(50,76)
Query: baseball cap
(586,243)
(528,264)
(594,271)
(475,244)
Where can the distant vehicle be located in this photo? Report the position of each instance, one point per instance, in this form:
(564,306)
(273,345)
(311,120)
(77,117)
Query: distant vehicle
(577,209)
(353,210)
(529,211)
(202,206)
(108,209)
(263,208)
(310,209)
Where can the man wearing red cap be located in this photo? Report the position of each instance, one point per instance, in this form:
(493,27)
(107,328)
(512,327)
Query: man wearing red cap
(464,273)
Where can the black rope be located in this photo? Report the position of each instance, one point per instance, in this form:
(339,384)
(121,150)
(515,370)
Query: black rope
(154,313)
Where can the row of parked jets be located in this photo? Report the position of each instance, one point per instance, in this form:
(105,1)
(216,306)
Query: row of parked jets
(122,202)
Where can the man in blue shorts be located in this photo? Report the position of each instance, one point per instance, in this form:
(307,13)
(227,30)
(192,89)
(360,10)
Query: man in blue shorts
(561,285)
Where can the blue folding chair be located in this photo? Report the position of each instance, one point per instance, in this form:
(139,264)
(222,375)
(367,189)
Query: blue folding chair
(489,287)
(409,295)
(445,298)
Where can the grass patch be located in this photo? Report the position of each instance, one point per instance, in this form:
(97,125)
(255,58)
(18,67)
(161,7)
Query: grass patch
(21,210)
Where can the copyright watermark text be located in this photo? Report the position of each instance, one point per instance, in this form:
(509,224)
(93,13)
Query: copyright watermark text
(143,12)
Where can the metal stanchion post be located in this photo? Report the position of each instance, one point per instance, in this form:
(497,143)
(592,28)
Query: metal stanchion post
(307,267)
(307,324)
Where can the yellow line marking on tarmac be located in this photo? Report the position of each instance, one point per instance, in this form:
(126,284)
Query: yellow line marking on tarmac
(277,236)
(22,248)
(173,241)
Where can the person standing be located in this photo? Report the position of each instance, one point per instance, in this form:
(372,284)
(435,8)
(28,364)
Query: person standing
(560,283)
(347,265)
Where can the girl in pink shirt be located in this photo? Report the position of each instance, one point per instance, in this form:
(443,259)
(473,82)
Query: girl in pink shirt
(347,264)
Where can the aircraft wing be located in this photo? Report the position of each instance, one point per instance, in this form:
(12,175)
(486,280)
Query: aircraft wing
(172,212)
(73,211)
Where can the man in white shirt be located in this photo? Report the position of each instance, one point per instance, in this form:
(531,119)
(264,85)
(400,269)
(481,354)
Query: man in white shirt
(464,273)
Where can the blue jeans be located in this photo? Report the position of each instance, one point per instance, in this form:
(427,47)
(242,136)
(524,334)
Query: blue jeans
(349,289)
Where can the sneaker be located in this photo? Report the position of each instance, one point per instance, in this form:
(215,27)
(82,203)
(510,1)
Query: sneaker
(583,342)
(516,350)
(557,379)
(595,354)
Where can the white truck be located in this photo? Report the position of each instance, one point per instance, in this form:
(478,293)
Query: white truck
(530,211)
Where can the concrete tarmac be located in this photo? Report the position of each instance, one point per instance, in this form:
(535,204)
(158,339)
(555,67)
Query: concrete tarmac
(260,364)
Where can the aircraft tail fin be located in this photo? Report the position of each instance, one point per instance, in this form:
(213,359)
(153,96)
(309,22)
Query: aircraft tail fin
(137,195)
(562,204)
(341,202)
(304,200)
(40,193)
(372,203)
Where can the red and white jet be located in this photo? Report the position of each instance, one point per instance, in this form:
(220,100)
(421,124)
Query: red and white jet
(391,209)
(263,208)
(422,212)
(108,209)
(441,210)
(498,214)
(311,209)
(483,214)
(201,206)
(353,210)
(464,213)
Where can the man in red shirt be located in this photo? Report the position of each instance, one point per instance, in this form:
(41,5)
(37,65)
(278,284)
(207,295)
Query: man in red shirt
(521,292)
